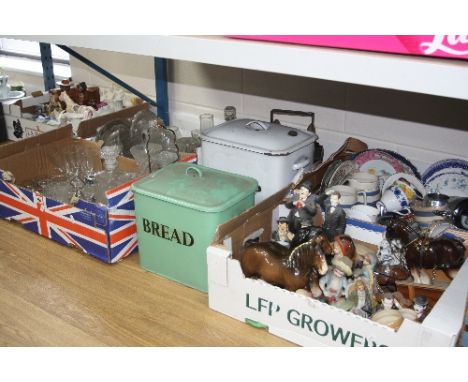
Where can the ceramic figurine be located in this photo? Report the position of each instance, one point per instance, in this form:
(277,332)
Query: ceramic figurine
(343,245)
(391,265)
(364,265)
(421,252)
(420,307)
(393,300)
(360,299)
(389,302)
(335,217)
(364,270)
(335,282)
(302,207)
(289,269)
(391,252)
(282,235)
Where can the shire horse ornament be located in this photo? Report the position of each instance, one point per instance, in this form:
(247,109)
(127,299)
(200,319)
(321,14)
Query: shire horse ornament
(289,269)
(423,252)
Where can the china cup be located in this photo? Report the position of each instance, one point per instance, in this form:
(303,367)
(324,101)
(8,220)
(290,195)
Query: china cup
(348,195)
(395,200)
(369,184)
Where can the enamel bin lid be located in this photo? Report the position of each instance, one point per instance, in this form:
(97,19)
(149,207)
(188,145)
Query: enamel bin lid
(258,136)
(196,187)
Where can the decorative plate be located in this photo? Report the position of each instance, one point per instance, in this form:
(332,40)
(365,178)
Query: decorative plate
(445,165)
(449,183)
(344,171)
(378,162)
(328,173)
(14,94)
(409,167)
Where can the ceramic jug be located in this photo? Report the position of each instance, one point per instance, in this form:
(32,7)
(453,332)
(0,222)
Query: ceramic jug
(398,192)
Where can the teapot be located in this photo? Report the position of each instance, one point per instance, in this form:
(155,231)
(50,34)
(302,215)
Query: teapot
(435,200)
(456,212)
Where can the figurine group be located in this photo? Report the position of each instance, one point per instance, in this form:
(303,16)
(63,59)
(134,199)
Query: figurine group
(303,207)
(350,282)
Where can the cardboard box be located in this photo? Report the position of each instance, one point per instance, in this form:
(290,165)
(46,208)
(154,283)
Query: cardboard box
(306,321)
(20,127)
(309,322)
(105,232)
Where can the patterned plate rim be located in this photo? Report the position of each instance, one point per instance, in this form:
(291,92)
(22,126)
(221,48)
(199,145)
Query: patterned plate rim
(384,156)
(405,161)
(429,187)
(443,164)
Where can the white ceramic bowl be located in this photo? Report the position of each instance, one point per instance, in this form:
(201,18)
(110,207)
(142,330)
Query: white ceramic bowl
(391,318)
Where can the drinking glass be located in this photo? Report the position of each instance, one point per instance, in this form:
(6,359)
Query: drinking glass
(206,121)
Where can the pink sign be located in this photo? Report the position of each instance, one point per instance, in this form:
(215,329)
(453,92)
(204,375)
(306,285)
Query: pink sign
(451,46)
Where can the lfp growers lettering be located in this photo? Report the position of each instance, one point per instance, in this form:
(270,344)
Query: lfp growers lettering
(305,322)
(168,233)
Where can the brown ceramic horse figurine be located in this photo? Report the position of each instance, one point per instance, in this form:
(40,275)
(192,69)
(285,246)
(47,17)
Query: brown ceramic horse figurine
(386,275)
(288,269)
(426,253)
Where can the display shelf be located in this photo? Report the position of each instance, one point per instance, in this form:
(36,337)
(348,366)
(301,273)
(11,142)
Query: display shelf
(434,76)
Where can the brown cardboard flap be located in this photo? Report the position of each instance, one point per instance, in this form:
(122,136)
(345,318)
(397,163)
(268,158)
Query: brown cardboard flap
(265,207)
(88,128)
(42,162)
(12,148)
(34,158)
(349,147)
(261,215)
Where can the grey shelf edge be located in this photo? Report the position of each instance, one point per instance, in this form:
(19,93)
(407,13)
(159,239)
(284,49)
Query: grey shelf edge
(434,76)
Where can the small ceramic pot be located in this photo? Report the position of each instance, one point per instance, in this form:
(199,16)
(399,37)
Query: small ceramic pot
(391,318)
(425,216)
(409,314)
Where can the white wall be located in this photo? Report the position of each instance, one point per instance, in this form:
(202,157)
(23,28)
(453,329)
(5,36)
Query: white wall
(31,82)
(422,128)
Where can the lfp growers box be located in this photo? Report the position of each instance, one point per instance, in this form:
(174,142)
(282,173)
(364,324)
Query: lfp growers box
(107,232)
(307,321)
(178,209)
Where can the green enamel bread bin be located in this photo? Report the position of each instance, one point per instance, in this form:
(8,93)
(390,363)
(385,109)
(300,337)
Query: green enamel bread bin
(178,209)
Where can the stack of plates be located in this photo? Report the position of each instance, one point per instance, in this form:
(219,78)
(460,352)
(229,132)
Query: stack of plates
(337,173)
(13,94)
(384,163)
(448,176)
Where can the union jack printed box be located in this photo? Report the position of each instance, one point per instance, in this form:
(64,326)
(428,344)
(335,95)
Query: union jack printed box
(107,232)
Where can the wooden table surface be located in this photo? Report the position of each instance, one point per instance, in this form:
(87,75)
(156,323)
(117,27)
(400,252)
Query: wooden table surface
(51,295)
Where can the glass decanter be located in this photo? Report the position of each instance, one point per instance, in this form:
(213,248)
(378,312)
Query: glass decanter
(97,184)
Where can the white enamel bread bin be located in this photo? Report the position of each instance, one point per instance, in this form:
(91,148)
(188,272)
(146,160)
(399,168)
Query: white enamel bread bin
(269,152)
